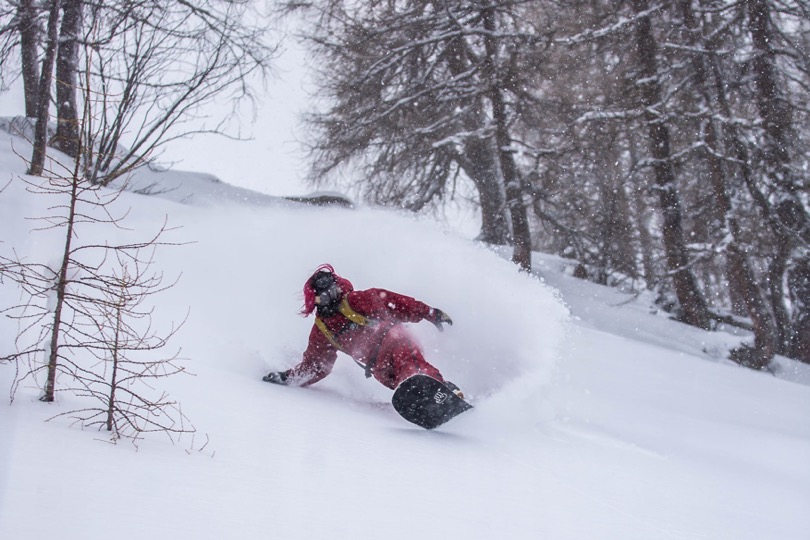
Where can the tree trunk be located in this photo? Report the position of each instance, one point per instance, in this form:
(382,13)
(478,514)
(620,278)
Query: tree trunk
(788,215)
(29,43)
(776,281)
(115,360)
(740,274)
(645,241)
(44,93)
(67,128)
(639,210)
(478,160)
(61,290)
(774,112)
(480,166)
(521,234)
(522,254)
(693,305)
(799,285)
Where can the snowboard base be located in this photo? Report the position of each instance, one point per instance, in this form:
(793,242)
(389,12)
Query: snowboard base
(426,402)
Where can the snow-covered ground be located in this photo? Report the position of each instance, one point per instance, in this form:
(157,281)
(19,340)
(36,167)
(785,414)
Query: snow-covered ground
(595,417)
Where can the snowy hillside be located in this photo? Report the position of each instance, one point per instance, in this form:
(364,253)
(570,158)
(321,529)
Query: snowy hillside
(595,417)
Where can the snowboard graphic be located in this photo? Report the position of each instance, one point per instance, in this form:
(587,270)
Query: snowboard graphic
(426,402)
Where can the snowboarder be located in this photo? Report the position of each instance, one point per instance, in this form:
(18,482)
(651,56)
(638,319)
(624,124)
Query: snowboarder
(367,326)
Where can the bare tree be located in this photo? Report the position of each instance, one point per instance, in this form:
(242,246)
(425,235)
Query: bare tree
(422,93)
(708,97)
(690,297)
(784,183)
(87,315)
(118,333)
(91,321)
(62,298)
(150,69)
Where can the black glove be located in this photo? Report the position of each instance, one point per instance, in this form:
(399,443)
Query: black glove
(440,317)
(276,377)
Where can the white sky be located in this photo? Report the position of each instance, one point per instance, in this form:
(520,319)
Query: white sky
(272,161)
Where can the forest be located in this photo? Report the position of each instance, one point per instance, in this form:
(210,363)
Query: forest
(660,144)
(663,146)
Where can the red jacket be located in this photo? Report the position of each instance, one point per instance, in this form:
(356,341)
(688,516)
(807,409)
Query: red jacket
(385,309)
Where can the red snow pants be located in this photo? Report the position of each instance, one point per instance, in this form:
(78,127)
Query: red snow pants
(399,357)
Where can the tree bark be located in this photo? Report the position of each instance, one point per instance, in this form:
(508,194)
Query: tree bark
(478,162)
(67,128)
(774,113)
(693,305)
(799,285)
(29,43)
(44,93)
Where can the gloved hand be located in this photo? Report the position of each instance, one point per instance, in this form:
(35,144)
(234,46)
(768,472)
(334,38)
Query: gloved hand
(276,377)
(439,317)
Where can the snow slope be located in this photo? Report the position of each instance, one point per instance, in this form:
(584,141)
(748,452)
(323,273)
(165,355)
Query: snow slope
(594,418)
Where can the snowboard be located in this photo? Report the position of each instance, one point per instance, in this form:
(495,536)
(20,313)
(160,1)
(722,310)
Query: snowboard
(426,402)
